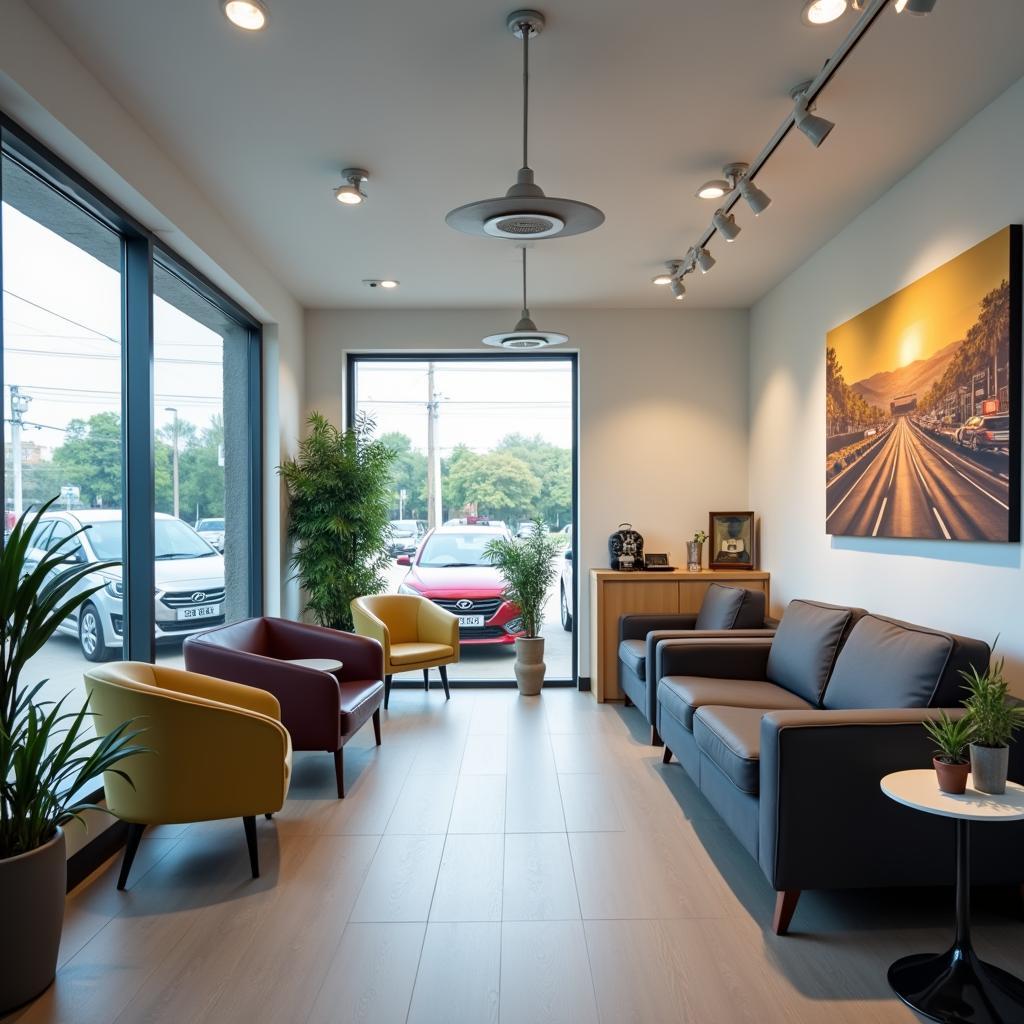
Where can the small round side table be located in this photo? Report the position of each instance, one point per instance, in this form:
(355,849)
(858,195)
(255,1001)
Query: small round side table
(956,987)
(321,664)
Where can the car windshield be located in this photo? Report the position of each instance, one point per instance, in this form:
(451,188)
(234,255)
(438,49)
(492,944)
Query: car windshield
(174,539)
(447,550)
(210,524)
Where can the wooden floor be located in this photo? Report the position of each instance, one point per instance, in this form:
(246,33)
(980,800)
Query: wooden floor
(498,859)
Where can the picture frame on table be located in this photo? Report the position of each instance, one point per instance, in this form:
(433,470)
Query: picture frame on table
(732,540)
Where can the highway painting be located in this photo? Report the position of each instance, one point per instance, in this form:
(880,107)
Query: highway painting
(923,405)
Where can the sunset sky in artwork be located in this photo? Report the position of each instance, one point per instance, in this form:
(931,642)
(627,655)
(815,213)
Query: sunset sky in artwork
(925,316)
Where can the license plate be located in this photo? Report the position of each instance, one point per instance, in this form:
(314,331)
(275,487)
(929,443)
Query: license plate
(471,620)
(205,611)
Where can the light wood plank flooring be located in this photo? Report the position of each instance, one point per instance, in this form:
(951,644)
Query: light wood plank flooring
(498,859)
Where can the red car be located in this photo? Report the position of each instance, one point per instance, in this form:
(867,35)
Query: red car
(451,569)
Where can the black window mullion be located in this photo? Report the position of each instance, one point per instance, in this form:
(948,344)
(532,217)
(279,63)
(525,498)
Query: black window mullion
(255,414)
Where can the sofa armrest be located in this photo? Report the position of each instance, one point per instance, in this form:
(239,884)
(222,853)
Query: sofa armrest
(636,627)
(722,657)
(360,656)
(656,636)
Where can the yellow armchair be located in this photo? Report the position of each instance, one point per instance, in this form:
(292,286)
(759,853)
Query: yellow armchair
(414,632)
(219,750)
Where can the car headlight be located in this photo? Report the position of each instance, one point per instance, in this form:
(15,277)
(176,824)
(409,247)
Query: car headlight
(115,588)
(515,626)
(405,588)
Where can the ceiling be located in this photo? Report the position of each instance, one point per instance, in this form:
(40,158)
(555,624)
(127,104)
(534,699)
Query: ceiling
(633,107)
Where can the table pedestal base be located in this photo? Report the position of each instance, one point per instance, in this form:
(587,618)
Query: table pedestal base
(957,987)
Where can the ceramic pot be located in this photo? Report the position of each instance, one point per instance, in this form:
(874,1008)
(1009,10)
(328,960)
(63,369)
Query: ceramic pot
(529,664)
(32,889)
(989,767)
(952,777)
(694,555)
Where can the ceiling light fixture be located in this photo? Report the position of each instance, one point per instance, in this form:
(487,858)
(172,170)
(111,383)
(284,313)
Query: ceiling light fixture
(378,282)
(673,267)
(250,15)
(704,259)
(525,334)
(725,224)
(678,289)
(757,200)
(525,211)
(821,12)
(915,6)
(816,128)
(718,187)
(352,194)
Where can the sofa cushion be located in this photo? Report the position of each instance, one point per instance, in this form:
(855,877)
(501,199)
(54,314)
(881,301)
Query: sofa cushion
(633,654)
(890,664)
(806,644)
(720,607)
(730,738)
(681,696)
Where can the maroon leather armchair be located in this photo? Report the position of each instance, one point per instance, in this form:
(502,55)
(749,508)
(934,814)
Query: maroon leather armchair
(322,707)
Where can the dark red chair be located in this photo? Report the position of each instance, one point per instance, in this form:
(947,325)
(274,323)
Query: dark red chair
(322,709)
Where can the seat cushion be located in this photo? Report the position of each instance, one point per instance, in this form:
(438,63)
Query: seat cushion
(730,737)
(806,646)
(414,653)
(681,696)
(720,607)
(633,654)
(359,699)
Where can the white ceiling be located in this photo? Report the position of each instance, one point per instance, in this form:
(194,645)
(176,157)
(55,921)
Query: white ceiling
(634,106)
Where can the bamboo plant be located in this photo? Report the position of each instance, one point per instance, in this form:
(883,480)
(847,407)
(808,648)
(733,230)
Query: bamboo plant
(528,567)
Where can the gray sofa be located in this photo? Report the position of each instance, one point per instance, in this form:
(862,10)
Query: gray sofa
(788,739)
(735,611)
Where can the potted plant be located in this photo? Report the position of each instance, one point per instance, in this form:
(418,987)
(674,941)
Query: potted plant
(994,720)
(339,490)
(694,551)
(48,760)
(951,737)
(528,567)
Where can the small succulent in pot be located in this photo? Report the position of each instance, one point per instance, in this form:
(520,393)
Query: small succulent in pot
(995,717)
(952,737)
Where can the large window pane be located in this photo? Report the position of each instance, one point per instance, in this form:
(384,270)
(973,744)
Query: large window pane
(62,352)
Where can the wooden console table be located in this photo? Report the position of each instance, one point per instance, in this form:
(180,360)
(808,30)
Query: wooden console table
(613,594)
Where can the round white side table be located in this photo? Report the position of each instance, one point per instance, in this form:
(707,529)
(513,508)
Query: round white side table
(321,664)
(957,987)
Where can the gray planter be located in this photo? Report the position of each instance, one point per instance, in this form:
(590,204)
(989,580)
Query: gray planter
(32,889)
(529,666)
(989,767)
(694,555)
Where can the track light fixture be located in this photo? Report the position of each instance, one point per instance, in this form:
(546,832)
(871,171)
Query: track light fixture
(821,12)
(757,200)
(678,289)
(704,259)
(352,194)
(814,127)
(915,6)
(725,224)
(250,15)
(672,268)
(718,187)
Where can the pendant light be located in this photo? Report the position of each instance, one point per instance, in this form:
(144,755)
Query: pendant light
(525,211)
(525,334)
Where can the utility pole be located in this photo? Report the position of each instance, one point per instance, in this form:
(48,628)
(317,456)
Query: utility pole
(434,515)
(19,406)
(174,457)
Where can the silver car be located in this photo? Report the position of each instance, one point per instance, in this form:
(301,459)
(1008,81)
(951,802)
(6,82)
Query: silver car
(212,531)
(189,578)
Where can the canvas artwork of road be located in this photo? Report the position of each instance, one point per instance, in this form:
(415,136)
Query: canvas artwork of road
(920,403)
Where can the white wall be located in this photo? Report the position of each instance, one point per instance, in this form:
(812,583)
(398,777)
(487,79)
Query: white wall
(45,88)
(964,192)
(663,414)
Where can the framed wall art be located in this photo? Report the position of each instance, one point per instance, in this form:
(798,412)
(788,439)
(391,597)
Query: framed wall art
(731,536)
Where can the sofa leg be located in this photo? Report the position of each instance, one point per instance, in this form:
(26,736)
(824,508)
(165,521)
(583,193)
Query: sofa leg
(131,847)
(443,669)
(426,679)
(250,837)
(785,904)
(656,740)
(626,702)
(666,755)
(376,726)
(339,771)
(387,691)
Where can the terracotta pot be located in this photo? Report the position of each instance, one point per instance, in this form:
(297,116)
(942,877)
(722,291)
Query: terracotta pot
(32,889)
(989,767)
(952,777)
(530,665)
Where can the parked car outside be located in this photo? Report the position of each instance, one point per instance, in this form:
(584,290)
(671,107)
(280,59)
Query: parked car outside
(526,528)
(212,531)
(985,432)
(452,570)
(478,521)
(189,578)
(565,590)
(405,537)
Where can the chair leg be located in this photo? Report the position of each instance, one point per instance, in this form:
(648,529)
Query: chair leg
(626,702)
(269,815)
(131,847)
(656,740)
(426,679)
(376,726)
(785,904)
(387,691)
(444,680)
(339,771)
(666,755)
(254,850)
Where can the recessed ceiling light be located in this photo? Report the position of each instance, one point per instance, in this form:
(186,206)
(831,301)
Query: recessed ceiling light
(821,12)
(248,14)
(377,282)
(352,194)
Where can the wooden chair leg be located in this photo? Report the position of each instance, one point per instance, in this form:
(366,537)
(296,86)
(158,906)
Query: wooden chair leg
(656,740)
(131,847)
(444,681)
(426,679)
(339,771)
(254,850)
(785,904)
(666,755)
(376,726)
(387,691)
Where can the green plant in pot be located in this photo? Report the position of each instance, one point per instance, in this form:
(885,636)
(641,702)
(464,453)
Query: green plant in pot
(528,568)
(48,759)
(994,717)
(952,737)
(339,490)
